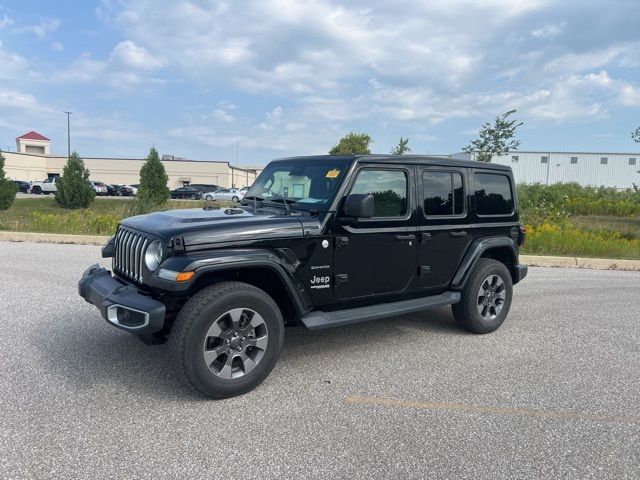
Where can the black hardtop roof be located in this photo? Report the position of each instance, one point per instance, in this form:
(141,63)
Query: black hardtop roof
(404,159)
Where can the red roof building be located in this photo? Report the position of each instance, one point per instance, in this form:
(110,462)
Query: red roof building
(33,142)
(33,136)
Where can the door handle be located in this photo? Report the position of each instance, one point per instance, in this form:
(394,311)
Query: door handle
(405,238)
(460,233)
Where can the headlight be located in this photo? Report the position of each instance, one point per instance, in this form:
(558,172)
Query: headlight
(153,255)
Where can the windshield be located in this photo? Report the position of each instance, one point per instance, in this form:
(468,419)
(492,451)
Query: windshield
(306,183)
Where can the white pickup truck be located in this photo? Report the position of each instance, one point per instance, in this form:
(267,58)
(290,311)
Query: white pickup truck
(46,186)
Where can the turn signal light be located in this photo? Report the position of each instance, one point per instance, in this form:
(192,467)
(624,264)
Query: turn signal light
(185,276)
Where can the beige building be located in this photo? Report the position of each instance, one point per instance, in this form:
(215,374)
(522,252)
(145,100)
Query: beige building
(33,162)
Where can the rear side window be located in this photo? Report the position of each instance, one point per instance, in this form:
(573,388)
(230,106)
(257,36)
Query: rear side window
(493,194)
(443,193)
(389,190)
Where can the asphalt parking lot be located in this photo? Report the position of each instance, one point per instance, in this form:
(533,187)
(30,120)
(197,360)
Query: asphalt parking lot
(555,393)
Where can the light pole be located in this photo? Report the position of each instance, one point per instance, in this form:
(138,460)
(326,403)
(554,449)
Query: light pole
(68,133)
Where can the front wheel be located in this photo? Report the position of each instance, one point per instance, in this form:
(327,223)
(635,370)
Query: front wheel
(209,198)
(235,199)
(36,190)
(227,339)
(486,297)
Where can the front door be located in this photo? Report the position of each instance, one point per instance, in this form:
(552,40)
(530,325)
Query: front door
(377,256)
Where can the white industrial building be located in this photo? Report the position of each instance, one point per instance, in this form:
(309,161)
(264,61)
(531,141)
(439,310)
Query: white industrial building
(617,170)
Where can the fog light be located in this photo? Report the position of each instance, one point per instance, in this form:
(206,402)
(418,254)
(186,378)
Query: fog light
(127,317)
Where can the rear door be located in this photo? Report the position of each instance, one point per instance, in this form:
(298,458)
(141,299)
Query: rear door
(443,219)
(377,256)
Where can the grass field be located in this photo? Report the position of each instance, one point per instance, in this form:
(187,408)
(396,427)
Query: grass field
(552,229)
(101,218)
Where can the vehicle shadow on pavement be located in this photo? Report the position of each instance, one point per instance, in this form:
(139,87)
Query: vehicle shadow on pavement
(97,357)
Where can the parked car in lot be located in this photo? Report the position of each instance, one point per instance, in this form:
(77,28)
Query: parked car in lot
(100,188)
(186,192)
(23,186)
(318,242)
(232,194)
(117,190)
(205,187)
(45,186)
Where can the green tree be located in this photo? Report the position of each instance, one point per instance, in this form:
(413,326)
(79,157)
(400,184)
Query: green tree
(8,188)
(153,181)
(495,139)
(73,187)
(352,143)
(635,135)
(402,147)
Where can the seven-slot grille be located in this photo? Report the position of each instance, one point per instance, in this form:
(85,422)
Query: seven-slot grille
(129,253)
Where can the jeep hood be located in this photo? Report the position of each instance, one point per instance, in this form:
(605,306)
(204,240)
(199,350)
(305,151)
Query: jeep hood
(200,226)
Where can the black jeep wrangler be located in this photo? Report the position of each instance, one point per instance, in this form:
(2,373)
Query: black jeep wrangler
(320,242)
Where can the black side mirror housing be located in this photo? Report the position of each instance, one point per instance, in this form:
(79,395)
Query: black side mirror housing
(359,205)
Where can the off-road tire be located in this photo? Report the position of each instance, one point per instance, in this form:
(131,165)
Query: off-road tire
(190,330)
(466,311)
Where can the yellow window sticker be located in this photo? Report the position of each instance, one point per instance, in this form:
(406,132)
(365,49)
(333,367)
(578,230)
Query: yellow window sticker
(333,173)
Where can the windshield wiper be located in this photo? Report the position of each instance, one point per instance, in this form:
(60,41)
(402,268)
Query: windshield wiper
(255,199)
(286,202)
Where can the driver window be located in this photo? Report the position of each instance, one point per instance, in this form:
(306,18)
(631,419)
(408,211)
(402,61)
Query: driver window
(389,190)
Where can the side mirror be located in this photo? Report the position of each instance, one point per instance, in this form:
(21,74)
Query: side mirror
(359,205)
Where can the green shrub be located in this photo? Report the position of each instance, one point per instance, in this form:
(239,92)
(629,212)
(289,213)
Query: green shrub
(548,239)
(140,206)
(73,188)
(573,199)
(78,221)
(8,188)
(153,181)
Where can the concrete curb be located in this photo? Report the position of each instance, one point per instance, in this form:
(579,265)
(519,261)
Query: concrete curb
(52,238)
(580,262)
(532,260)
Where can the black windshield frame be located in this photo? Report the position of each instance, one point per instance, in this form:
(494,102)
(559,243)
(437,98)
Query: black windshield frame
(323,171)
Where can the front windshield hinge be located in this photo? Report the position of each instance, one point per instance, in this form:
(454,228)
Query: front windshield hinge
(177,245)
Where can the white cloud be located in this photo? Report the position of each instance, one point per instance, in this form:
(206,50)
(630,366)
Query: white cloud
(220,114)
(132,55)
(22,101)
(6,21)
(625,55)
(45,27)
(551,30)
(12,65)
(57,46)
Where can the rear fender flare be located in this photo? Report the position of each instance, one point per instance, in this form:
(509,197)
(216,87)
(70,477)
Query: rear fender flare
(473,254)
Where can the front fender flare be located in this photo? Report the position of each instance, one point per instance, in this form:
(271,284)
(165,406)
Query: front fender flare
(282,263)
(473,254)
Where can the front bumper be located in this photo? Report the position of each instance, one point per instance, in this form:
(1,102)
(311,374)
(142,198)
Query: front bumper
(120,304)
(519,272)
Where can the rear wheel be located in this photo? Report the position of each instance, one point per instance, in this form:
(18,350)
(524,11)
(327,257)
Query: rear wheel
(486,297)
(235,199)
(193,197)
(227,339)
(209,197)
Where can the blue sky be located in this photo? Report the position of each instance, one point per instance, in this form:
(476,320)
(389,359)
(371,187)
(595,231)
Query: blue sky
(287,77)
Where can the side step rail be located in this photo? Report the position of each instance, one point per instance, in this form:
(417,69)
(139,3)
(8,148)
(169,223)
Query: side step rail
(318,320)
